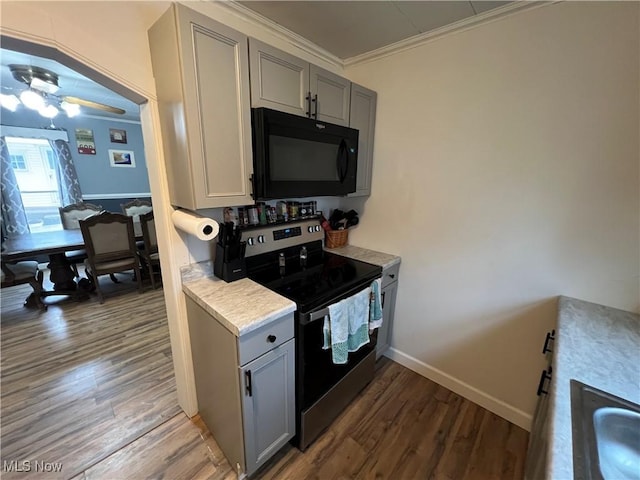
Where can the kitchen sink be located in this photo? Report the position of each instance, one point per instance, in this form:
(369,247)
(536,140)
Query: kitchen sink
(606,435)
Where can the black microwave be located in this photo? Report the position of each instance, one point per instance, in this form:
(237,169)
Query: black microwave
(295,156)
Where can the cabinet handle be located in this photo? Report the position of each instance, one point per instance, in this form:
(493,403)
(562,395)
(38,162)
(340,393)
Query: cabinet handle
(383,295)
(247,378)
(271,338)
(308,99)
(550,336)
(392,275)
(546,374)
(315,100)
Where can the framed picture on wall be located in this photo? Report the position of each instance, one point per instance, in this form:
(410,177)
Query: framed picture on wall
(86,144)
(117,136)
(122,158)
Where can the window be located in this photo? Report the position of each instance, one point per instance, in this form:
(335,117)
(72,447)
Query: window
(34,165)
(18,162)
(50,160)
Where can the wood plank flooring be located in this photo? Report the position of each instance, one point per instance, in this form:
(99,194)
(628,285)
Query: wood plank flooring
(82,380)
(92,386)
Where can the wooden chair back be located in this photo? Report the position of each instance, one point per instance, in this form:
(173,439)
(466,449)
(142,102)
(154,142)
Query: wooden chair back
(148,225)
(70,215)
(136,207)
(111,247)
(108,237)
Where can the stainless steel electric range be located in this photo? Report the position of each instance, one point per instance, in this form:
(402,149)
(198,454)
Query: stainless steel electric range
(289,259)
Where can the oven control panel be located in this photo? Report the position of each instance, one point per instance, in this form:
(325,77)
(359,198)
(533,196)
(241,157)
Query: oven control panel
(277,237)
(287,233)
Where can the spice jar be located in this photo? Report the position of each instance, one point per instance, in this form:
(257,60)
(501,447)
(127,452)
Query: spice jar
(294,210)
(252,213)
(281,211)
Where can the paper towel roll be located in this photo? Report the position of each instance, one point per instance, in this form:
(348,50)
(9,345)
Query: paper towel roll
(201,227)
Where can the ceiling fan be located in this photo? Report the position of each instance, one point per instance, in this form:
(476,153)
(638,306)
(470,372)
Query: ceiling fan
(41,93)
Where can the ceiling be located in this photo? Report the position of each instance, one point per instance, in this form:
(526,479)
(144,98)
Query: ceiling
(71,84)
(345,29)
(350,28)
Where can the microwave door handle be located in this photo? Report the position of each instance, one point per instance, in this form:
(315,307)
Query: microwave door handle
(342,161)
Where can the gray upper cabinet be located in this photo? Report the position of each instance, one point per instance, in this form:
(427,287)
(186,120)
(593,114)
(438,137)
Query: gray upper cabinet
(278,80)
(201,70)
(363,118)
(286,83)
(330,96)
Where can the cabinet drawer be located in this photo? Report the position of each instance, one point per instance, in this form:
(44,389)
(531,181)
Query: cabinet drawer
(390,274)
(260,341)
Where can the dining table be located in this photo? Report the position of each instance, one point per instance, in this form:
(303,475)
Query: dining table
(54,244)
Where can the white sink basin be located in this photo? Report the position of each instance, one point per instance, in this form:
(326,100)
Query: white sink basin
(617,432)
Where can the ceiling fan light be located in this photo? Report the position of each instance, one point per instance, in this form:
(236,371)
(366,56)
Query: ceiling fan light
(10,102)
(32,99)
(71,109)
(44,85)
(49,111)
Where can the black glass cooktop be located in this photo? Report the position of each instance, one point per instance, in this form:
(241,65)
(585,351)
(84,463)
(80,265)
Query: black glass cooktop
(319,282)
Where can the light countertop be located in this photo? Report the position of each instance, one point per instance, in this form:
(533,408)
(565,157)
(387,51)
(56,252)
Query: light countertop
(385,260)
(241,306)
(598,346)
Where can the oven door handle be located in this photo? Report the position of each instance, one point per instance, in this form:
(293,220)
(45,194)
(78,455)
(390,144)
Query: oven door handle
(306,318)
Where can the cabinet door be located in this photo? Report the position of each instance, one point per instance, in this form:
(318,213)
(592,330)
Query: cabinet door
(217,107)
(388,308)
(363,118)
(536,461)
(268,404)
(278,80)
(333,96)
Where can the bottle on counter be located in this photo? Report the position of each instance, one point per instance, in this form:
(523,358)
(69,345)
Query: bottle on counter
(262,212)
(324,223)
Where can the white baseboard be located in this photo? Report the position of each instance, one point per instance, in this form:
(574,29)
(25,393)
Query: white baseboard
(500,408)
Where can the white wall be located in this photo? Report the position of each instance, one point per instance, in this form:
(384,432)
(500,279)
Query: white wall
(506,173)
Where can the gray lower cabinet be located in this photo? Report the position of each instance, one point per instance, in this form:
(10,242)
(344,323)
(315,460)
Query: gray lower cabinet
(283,82)
(536,462)
(268,404)
(363,118)
(201,70)
(245,386)
(389,293)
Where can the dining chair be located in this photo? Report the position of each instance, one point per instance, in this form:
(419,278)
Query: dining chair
(149,254)
(134,209)
(23,272)
(111,247)
(70,216)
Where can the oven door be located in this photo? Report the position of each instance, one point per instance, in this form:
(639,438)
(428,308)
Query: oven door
(323,388)
(320,374)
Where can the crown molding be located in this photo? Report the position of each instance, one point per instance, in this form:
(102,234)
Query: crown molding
(281,32)
(459,26)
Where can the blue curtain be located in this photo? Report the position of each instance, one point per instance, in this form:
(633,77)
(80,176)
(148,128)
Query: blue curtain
(14,218)
(68,183)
